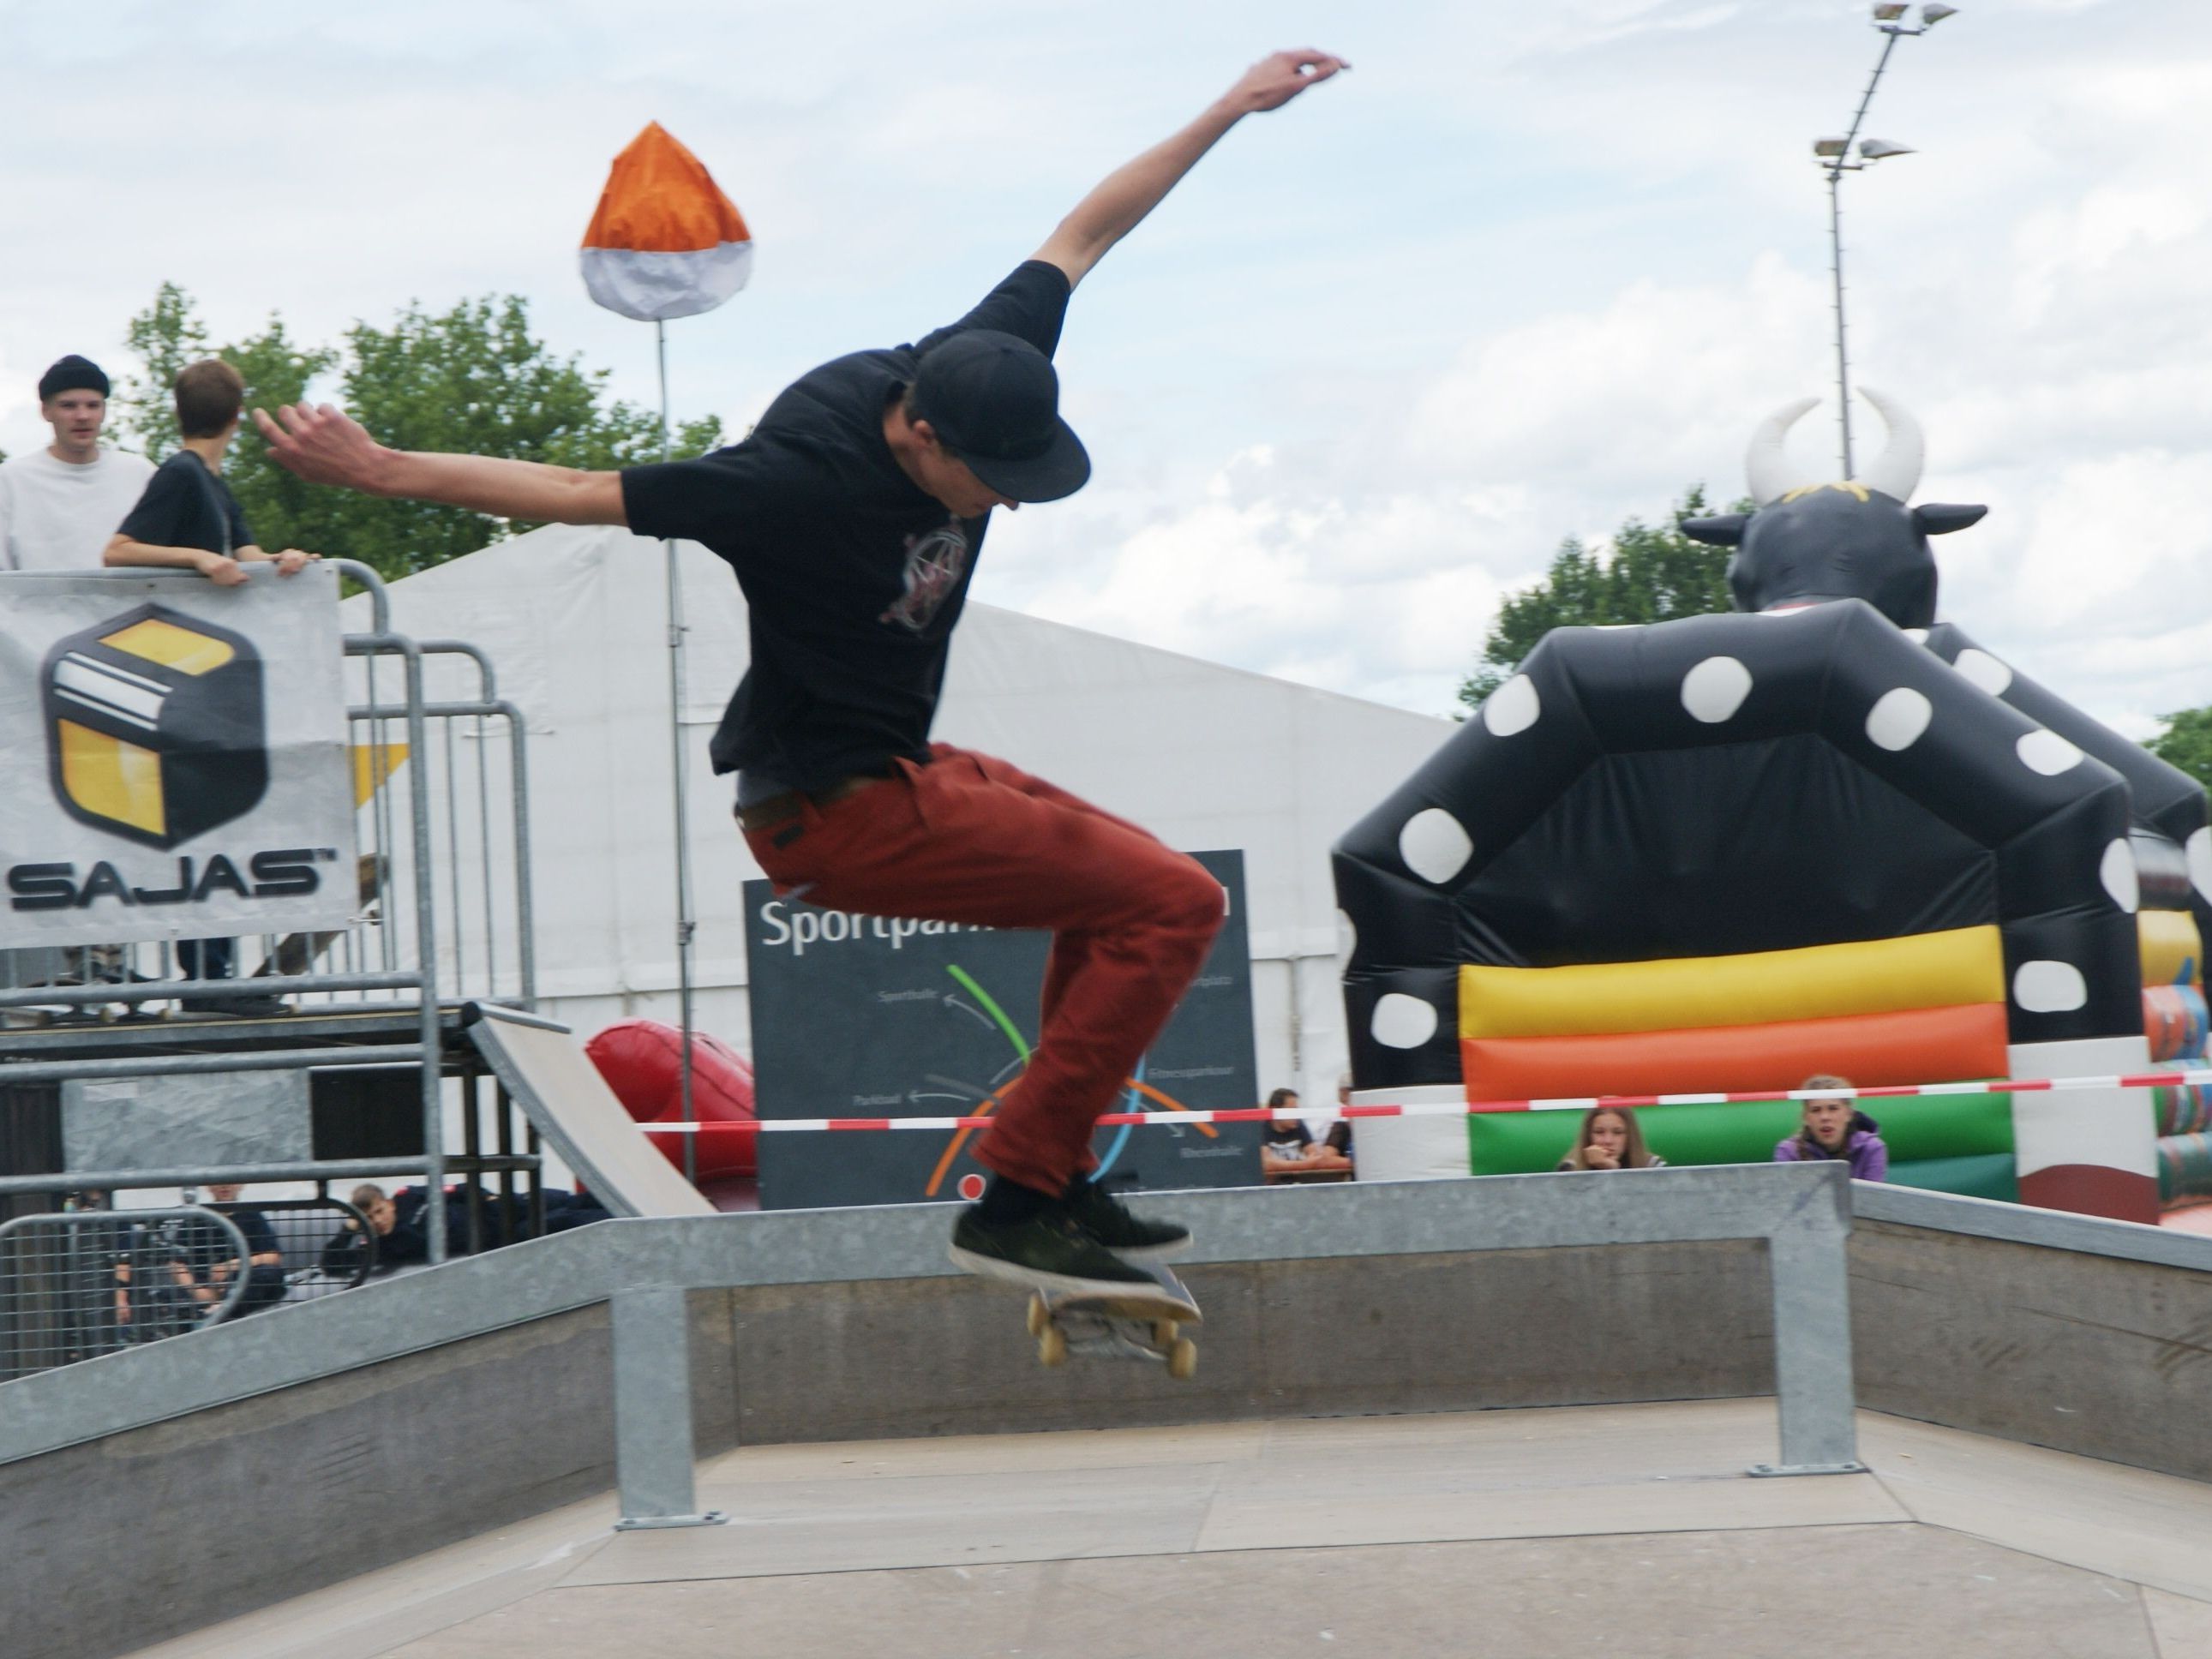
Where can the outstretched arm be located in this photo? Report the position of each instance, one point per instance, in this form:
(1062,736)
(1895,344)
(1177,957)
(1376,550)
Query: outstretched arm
(326,445)
(1122,200)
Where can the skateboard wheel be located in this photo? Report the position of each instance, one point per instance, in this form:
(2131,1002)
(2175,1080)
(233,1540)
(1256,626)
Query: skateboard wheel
(1040,1316)
(1182,1359)
(1164,1333)
(1052,1346)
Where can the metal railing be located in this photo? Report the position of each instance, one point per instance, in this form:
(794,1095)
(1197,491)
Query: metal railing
(83,1283)
(443,909)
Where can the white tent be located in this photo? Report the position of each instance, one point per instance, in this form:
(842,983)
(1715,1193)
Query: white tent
(1204,756)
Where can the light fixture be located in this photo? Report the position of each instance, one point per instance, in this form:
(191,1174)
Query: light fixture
(1830,146)
(1887,14)
(1931,15)
(1877,150)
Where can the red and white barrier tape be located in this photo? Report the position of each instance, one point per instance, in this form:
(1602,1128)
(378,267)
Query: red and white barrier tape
(1457,1109)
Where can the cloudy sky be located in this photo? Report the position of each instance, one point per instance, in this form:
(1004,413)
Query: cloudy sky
(1529,270)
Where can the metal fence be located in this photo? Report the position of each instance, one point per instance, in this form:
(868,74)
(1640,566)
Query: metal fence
(90,1280)
(83,1283)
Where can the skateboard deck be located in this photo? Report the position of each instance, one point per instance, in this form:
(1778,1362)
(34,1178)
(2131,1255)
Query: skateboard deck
(1126,1325)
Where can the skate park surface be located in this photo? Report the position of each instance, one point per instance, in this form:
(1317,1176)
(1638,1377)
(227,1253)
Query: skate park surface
(1627,1529)
(1508,1416)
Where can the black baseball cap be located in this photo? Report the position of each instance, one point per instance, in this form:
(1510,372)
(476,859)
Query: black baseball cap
(994,402)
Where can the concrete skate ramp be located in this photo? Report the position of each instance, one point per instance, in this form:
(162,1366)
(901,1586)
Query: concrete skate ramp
(484,1392)
(564,1095)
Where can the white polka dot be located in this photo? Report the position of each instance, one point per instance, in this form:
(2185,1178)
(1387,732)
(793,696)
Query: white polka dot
(1434,845)
(1981,670)
(2198,848)
(1402,1022)
(2050,988)
(1347,941)
(1512,707)
(2047,752)
(1716,689)
(2118,873)
(1918,635)
(1899,719)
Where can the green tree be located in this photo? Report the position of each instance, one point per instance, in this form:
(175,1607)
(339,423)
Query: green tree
(472,379)
(2186,743)
(1649,574)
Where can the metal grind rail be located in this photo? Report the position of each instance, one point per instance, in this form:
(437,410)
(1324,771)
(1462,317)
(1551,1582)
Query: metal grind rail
(2199,1078)
(643,1268)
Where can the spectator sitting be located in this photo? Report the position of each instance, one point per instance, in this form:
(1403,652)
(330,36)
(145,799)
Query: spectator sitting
(1338,1138)
(1833,1127)
(208,1259)
(188,519)
(1288,1146)
(1610,1139)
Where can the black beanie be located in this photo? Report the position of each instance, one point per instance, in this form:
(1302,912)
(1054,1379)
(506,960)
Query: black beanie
(72,374)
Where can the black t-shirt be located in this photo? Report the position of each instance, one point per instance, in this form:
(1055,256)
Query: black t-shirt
(1287,1138)
(853,576)
(187,506)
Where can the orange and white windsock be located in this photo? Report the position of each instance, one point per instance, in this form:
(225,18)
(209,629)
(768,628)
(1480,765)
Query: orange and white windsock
(665,241)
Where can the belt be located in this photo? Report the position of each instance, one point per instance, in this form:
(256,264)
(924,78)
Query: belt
(781,809)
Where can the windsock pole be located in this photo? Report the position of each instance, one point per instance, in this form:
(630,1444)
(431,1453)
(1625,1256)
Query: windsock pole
(686,923)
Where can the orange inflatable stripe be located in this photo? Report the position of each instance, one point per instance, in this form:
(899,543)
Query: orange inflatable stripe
(659,198)
(1914,1045)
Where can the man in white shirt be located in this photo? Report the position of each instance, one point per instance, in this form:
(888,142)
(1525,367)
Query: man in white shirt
(59,506)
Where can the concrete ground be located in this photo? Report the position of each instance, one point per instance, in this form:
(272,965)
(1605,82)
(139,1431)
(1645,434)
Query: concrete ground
(1619,1530)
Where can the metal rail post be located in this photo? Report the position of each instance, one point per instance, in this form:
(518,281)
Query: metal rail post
(652,1339)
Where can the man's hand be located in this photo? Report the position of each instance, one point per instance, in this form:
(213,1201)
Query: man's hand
(1280,77)
(221,569)
(324,446)
(1124,196)
(291,561)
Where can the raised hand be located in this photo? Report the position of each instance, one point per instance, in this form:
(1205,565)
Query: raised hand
(322,445)
(1282,76)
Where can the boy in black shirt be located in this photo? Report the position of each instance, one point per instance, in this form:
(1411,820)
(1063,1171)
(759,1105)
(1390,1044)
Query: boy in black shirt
(188,518)
(852,516)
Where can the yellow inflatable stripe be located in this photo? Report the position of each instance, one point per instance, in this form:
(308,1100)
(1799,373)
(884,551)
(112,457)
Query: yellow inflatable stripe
(2169,940)
(1823,982)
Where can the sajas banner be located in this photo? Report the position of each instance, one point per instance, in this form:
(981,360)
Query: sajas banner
(175,757)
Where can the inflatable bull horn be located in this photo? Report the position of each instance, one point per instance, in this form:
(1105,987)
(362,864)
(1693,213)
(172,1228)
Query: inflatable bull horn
(1810,541)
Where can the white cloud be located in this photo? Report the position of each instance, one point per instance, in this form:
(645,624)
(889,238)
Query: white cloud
(1523,274)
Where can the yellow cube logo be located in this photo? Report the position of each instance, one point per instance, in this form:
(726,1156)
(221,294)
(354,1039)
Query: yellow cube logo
(155,725)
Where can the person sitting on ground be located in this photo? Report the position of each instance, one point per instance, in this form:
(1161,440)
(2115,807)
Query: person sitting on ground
(1610,1139)
(1339,1138)
(396,1222)
(1284,1143)
(210,1264)
(1289,1146)
(1834,1126)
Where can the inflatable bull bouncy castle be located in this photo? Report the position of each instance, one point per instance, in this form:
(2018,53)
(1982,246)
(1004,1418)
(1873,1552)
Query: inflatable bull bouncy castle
(1820,833)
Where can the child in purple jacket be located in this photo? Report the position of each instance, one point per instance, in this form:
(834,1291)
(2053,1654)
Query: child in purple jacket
(1835,1128)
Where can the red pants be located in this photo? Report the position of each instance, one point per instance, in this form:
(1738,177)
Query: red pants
(971,839)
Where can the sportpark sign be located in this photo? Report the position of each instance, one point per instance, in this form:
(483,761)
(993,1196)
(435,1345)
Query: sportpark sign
(895,1019)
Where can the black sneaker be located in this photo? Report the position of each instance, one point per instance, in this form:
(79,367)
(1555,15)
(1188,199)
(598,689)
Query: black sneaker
(1109,1220)
(1049,1251)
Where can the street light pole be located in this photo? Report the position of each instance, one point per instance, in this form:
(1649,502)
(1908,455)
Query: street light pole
(1835,156)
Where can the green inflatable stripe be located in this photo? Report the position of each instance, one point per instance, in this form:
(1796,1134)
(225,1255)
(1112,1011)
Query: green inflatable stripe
(1914,1128)
(1988,1175)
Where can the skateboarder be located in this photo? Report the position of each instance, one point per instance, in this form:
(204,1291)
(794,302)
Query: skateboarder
(852,515)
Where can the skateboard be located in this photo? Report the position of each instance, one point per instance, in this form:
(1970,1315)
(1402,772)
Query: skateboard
(1132,1325)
